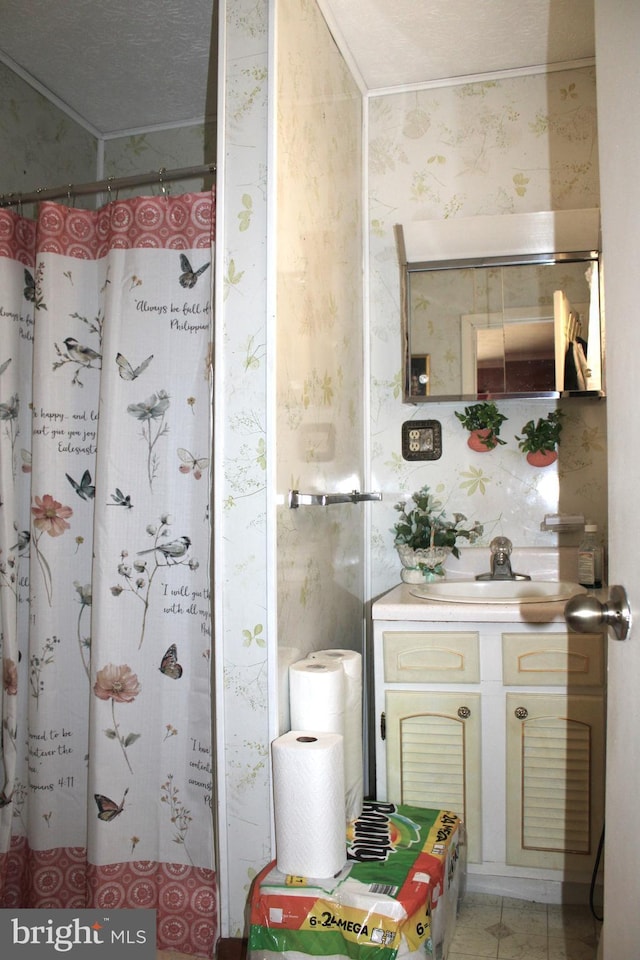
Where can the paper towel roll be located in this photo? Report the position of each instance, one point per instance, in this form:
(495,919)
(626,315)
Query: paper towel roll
(286,656)
(317,696)
(351,662)
(308,794)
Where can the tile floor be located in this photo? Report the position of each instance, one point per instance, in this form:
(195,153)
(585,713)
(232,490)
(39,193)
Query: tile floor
(502,928)
(508,929)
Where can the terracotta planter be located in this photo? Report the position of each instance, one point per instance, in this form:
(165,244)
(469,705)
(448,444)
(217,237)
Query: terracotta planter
(542,458)
(477,439)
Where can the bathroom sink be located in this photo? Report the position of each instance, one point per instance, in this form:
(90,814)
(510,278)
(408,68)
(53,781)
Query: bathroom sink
(497,591)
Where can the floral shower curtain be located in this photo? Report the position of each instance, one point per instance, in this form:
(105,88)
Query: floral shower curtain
(105,435)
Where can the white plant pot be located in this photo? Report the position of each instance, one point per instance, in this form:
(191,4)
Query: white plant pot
(419,565)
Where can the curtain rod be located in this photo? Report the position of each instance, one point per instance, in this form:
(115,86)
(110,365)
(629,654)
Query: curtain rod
(109,184)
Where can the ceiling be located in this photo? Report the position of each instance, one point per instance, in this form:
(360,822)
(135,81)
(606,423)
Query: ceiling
(122,66)
(116,65)
(402,42)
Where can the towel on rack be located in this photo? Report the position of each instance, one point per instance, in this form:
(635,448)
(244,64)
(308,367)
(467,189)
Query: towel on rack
(576,371)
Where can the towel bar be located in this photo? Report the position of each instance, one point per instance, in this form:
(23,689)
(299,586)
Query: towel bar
(297,499)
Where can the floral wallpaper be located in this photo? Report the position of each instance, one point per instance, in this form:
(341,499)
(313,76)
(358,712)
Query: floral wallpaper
(513,145)
(319,337)
(241,561)
(39,145)
(171,149)
(316,396)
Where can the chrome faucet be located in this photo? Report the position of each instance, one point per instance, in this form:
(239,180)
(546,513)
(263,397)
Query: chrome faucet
(501,548)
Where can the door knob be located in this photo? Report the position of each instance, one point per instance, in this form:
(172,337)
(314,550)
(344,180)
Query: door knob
(586,614)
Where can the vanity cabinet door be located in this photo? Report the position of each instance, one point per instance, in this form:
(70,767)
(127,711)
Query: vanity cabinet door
(433,755)
(555,777)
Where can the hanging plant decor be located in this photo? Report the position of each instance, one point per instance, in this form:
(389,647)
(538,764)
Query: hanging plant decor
(483,421)
(541,438)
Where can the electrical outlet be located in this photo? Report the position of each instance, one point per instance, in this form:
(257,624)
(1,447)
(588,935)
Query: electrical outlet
(422,440)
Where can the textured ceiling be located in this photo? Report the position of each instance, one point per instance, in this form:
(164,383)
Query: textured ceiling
(126,65)
(400,42)
(117,64)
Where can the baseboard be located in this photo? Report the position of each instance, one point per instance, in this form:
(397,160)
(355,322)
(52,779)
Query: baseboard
(523,888)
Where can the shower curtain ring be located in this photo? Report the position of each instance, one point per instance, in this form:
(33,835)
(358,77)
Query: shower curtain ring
(161,173)
(70,194)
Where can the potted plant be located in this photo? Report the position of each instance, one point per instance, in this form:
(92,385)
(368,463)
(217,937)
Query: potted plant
(424,536)
(483,421)
(540,439)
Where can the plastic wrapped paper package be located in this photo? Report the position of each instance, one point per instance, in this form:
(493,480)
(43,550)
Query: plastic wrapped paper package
(395,899)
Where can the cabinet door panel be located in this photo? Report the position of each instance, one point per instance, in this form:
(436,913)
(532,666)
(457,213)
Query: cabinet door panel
(554,779)
(560,659)
(433,755)
(431,657)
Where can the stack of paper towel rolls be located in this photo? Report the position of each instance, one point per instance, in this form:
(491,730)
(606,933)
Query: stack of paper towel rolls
(325,694)
(308,791)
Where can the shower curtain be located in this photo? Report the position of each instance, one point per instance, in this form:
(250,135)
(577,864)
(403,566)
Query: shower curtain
(105,436)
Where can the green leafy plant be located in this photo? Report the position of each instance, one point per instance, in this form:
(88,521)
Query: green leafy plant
(425,524)
(541,435)
(483,416)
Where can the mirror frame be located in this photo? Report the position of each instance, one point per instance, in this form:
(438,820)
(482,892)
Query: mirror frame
(573,233)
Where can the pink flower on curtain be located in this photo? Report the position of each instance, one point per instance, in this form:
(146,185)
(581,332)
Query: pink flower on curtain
(116,683)
(49,516)
(10,677)
(120,685)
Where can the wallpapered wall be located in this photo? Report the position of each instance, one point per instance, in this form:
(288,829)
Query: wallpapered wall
(39,145)
(319,386)
(240,519)
(513,145)
(310,385)
(170,149)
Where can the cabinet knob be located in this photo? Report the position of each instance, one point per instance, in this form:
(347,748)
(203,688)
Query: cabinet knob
(464,713)
(521,713)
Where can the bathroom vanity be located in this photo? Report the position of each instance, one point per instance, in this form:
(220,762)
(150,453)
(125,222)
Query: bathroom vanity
(496,712)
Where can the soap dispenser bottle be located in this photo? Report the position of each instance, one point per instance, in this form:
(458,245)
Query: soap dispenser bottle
(590,558)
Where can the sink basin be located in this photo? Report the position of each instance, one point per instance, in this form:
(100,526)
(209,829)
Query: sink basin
(497,591)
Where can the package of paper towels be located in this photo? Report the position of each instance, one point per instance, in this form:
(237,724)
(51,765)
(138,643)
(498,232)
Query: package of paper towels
(308,797)
(351,663)
(317,696)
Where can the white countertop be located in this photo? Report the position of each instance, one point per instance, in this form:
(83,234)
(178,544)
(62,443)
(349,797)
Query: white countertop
(399,604)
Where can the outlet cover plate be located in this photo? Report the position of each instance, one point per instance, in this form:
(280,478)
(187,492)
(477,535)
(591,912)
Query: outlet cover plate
(422,440)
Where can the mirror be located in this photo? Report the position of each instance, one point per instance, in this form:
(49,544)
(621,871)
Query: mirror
(503,326)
